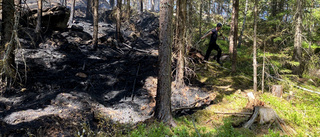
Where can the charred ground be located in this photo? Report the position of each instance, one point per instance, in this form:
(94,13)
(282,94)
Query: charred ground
(66,83)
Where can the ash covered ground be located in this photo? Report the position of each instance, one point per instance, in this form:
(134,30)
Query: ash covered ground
(66,83)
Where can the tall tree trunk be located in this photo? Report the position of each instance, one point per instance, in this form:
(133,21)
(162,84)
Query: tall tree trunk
(297,53)
(182,7)
(274,4)
(135,4)
(128,9)
(190,11)
(200,19)
(118,19)
(163,98)
(38,27)
(89,9)
(95,23)
(72,13)
(112,4)
(244,24)
(9,23)
(214,7)
(141,6)
(234,34)
(255,47)
(145,3)
(152,5)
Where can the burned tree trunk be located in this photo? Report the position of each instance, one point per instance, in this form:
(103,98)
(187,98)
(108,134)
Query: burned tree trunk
(89,9)
(141,6)
(118,26)
(38,27)
(128,9)
(112,4)
(9,39)
(72,13)
(95,23)
(152,5)
(163,98)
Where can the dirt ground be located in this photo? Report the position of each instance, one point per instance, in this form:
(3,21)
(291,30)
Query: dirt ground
(66,83)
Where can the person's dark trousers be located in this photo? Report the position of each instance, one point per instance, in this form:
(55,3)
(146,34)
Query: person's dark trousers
(210,48)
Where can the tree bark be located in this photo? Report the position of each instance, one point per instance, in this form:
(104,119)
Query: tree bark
(181,15)
(163,98)
(112,4)
(234,34)
(118,19)
(255,47)
(7,21)
(89,9)
(277,90)
(200,19)
(141,6)
(95,23)
(128,9)
(9,25)
(244,24)
(72,13)
(38,27)
(297,53)
(152,5)
(274,6)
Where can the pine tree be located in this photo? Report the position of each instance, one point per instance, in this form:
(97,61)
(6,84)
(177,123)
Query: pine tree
(163,98)
(180,32)
(118,26)
(234,34)
(38,26)
(95,23)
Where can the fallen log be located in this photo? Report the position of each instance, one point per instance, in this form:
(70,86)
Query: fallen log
(55,17)
(198,104)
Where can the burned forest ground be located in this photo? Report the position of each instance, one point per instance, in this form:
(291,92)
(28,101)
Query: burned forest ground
(64,83)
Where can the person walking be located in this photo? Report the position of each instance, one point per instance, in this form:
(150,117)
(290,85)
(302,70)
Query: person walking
(213,44)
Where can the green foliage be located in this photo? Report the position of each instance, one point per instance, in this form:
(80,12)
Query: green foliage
(272,133)
(105,127)
(316,14)
(185,129)
(155,130)
(277,39)
(227,130)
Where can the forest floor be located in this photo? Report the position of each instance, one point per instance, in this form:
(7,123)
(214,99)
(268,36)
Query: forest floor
(66,83)
(67,88)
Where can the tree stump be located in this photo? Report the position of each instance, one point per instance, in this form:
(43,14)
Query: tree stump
(277,90)
(252,101)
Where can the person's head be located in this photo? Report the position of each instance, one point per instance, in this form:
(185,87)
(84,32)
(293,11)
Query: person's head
(219,26)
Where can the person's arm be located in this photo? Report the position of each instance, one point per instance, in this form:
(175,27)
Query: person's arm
(222,36)
(206,35)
